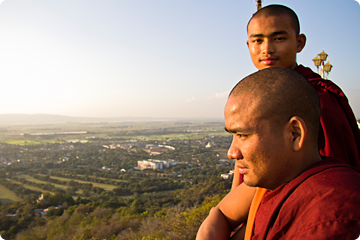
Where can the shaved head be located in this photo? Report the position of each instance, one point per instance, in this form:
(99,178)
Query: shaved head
(280,94)
(278,10)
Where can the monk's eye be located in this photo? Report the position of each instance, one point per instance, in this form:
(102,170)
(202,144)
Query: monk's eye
(280,38)
(257,40)
(242,135)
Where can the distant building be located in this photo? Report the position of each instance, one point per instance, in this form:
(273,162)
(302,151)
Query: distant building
(38,211)
(226,176)
(154,153)
(126,145)
(168,147)
(12,217)
(106,168)
(152,146)
(229,175)
(173,163)
(157,149)
(156,164)
(150,164)
(40,198)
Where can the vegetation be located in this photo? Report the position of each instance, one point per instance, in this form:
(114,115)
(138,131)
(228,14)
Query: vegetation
(8,196)
(67,189)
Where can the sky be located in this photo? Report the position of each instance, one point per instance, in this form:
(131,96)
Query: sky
(152,58)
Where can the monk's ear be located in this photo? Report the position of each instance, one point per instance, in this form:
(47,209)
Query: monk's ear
(247,43)
(301,41)
(298,132)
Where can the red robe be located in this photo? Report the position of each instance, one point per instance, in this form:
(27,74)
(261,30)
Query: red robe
(321,203)
(340,136)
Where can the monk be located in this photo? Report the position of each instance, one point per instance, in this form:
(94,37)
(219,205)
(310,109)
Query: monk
(274,40)
(274,117)
(339,134)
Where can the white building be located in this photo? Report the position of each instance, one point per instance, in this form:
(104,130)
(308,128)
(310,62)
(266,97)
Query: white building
(150,164)
(156,164)
(227,175)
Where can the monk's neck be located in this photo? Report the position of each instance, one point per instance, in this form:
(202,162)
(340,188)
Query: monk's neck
(294,65)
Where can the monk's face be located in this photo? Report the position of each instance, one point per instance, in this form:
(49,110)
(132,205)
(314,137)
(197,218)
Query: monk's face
(259,150)
(273,42)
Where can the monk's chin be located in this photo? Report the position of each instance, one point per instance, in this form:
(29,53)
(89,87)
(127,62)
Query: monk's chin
(249,183)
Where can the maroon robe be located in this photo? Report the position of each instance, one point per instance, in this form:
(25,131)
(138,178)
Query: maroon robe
(340,136)
(321,203)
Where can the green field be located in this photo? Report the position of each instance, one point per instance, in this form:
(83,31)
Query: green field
(7,196)
(106,187)
(78,193)
(30,187)
(26,142)
(184,136)
(102,178)
(31,179)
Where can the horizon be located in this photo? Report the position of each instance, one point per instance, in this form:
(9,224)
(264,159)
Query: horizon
(12,120)
(141,59)
(59,115)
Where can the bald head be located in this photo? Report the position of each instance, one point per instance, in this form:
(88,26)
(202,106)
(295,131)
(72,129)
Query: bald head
(278,10)
(280,94)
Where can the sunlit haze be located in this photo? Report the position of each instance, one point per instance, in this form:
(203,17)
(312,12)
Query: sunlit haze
(160,58)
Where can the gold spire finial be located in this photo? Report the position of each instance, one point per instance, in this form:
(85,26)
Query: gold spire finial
(258,4)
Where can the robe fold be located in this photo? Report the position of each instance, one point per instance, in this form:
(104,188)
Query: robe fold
(259,194)
(340,135)
(321,203)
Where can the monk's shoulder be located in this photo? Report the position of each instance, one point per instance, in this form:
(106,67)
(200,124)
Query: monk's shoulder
(328,196)
(331,184)
(326,203)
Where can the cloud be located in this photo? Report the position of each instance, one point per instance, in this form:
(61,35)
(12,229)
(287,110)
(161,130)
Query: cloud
(222,95)
(193,99)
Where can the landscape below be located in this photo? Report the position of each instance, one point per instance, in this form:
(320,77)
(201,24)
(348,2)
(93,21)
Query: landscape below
(84,180)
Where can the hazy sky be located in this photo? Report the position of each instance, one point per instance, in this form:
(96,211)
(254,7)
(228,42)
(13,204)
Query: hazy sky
(152,58)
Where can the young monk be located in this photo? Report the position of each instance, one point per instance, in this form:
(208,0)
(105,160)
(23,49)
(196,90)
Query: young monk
(274,39)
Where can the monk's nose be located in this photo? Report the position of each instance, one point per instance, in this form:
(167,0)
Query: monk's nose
(267,47)
(234,151)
